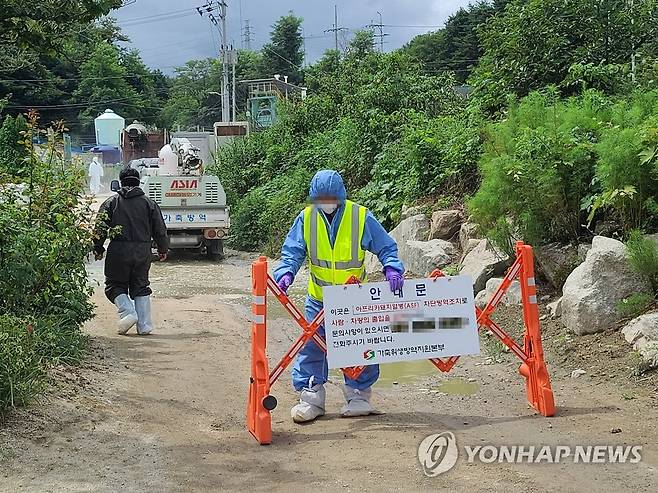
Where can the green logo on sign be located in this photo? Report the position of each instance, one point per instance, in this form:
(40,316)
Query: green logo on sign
(369,354)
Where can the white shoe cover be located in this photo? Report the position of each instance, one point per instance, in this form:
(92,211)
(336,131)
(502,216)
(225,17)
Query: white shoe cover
(311,404)
(358,402)
(143,309)
(127,314)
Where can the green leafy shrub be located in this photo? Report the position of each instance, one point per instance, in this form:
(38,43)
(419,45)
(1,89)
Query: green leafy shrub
(635,304)
(21,369)
(432,157)
(643,256)
(536,170)
(266,213)
(45,235)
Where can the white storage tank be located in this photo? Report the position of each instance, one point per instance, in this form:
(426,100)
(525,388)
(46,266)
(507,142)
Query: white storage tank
(108,128)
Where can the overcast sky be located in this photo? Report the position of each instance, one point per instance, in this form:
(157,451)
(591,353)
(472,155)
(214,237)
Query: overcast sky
(170,32)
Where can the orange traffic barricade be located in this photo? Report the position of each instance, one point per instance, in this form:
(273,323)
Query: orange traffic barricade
(533,367)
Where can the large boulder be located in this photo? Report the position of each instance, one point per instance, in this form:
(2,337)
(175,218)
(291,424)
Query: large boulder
(511,297)
(593,290)
(556,261)
(445,224)
(410,211)
(482,263)
(414,228)
(467,236)
(422,257)
(642,333)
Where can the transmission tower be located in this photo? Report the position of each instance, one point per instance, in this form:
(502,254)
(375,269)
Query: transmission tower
(380,28)
(247,33)
(336,29)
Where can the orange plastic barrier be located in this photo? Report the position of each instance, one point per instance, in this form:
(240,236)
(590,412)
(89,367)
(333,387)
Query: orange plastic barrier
(533,366)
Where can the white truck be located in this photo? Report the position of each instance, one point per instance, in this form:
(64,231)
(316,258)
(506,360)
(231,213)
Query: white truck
(193,204)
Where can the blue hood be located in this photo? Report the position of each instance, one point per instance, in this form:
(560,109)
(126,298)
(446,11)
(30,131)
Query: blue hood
(327,183)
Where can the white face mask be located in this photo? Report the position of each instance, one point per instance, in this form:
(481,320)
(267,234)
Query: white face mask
(328,208)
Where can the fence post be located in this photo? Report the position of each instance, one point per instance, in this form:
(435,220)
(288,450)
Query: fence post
(538,383)
(259,419)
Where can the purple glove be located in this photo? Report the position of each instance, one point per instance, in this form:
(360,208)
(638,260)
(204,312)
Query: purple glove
(285,282)
(394,278)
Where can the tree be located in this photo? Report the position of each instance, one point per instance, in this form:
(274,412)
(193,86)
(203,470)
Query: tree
(283,54)
(28,28)
(534,43)
(457,46)
(362,44)
(142,80)
(12,154)
(194,96)
(104,84)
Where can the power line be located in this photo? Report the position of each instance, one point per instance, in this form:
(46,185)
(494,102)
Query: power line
(62,106)
(57,79)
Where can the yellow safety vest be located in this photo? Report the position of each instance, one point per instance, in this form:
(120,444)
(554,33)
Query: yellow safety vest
(334,266)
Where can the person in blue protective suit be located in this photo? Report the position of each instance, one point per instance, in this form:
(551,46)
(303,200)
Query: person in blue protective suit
(333,233)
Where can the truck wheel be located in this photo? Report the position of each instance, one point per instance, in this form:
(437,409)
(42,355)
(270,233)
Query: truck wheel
(215,249)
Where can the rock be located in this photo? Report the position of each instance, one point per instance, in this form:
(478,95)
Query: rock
(577,373)
(555,309)
(593,290)
(422,257)
(642,333)
(482,263)
(445,224)
(413,210)
(467,236)
(556,261)
(414,228)
(512,297)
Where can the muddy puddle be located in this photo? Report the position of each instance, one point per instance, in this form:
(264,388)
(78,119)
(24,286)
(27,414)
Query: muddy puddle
(457,386)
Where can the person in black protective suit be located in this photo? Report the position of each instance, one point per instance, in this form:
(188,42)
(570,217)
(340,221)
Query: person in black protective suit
(137,220)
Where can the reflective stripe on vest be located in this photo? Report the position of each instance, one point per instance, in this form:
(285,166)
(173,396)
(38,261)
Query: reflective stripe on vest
(334,265)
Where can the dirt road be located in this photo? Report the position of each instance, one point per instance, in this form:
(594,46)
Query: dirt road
(166,413)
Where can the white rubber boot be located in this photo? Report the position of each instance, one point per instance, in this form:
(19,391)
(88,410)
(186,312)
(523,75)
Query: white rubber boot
(127,314)
(358,402)
(144,321)
(311,404)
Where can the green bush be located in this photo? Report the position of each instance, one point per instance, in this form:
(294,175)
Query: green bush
(555,165)
(45,235)
(643,256)
(432,157)
(21,368)
(265,215)
(635,304)
(536,170)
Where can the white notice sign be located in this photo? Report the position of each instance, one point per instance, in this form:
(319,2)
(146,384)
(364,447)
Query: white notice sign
(367,324)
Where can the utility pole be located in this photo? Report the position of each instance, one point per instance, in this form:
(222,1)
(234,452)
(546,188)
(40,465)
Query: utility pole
(226,116)
(336,29)
(225,52)
(381,34)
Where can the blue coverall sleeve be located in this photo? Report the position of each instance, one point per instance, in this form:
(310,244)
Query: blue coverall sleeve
(378,241)
(293,251)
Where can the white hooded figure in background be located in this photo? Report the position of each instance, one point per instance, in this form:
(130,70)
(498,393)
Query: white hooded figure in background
(95,174)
